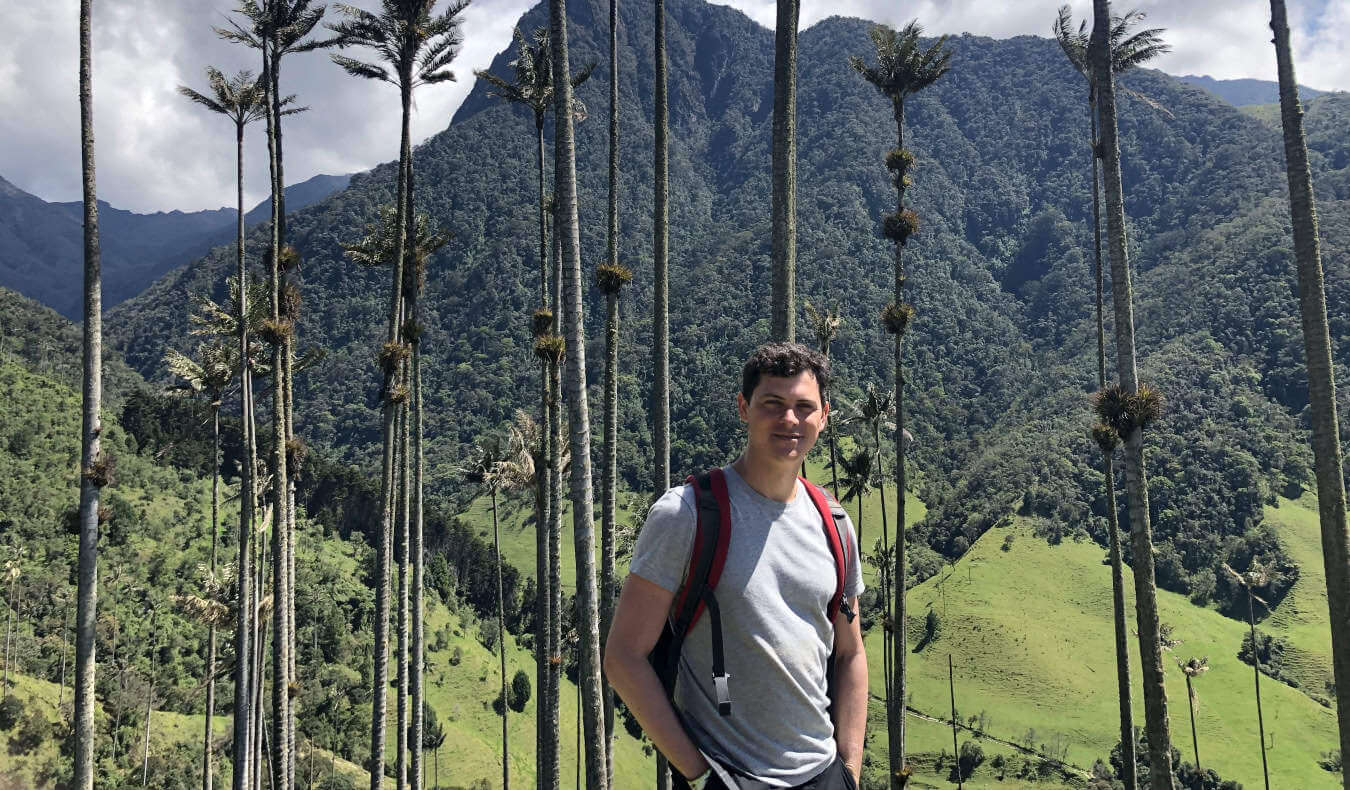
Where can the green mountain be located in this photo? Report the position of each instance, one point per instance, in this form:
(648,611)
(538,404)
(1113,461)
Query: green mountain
(42,243)
(1003,348)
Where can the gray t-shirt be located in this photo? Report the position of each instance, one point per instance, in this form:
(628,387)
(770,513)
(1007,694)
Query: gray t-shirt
(773,595)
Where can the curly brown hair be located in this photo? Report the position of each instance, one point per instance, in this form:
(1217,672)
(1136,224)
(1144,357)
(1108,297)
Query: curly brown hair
(784,360)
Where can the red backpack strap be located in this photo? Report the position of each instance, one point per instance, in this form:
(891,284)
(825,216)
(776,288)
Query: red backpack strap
(712,537)
(836,535)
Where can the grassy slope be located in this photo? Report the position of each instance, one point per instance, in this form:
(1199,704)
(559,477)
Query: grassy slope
(1302,618)
(1030,633)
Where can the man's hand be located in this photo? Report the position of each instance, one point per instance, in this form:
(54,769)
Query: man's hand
(638,619)
(849,705)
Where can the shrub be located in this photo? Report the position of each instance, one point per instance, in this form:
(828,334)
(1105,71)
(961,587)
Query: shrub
(972,754)
(520,690)
(487,633)
(10,710)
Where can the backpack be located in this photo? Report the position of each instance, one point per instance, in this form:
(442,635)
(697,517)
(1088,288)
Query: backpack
(712,538)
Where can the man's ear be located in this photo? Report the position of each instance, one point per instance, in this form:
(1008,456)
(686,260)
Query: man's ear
(742,408)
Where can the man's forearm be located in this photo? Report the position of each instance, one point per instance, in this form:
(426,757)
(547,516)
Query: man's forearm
(850,709)
(640,689)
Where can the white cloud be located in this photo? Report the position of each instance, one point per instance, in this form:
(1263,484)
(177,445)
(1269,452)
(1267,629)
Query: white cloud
(157,152)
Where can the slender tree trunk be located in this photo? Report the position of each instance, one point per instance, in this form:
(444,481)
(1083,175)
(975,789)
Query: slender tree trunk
(543,499)
(401,548)
(608,508)
(380,682)
(1123,692)
(211,628)
(1123,695)
(661,271)
(1136,484)
(784,192)
(1321,377)
(1190,703)
(1256,679)
(61,694)
(501,645)
(552,754)
(243,649)
(583,521)
(418,567)
(956,753)
(895,704)
(881,489)
(280,489)
(9,630)
(91,454)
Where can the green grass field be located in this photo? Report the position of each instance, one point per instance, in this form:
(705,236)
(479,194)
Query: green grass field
(1030,633)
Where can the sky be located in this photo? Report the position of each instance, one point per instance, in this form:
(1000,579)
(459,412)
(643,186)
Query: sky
(158,152)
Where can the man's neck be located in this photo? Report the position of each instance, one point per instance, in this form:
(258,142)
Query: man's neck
(769,480)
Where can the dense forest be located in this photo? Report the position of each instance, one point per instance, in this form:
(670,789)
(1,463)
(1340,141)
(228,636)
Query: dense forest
(1000,454)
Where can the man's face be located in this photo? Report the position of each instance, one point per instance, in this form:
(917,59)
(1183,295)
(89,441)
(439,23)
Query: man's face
(783,417)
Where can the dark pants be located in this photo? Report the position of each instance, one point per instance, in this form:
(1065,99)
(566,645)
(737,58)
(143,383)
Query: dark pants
(835,777)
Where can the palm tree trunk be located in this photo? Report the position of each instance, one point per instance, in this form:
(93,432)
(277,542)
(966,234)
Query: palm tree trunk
(895,703)
(90,427)
(1136,483)
(583,521)
(501,645)
(1321,378)
(609,507)
(9,630)
(243,649)
(61,694)
(1195,742)
(661,271)
(211,628)
(380,682)
(543,499)
(418,569)
(401,704)
(551,764)
(1256,679)
(149,697)
(784,193)
(1123,693)
(280,489)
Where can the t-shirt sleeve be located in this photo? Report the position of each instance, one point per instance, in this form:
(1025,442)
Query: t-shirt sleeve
(853,585)
(661,554)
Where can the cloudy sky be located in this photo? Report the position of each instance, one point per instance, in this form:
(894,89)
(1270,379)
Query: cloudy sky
(156,152)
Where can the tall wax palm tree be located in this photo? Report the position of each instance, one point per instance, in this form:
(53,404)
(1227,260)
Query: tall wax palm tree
(209,376)
(532,86)
(1128,49)
(239,98)
(1192,668)
(660,407)
(783,201)
(415,45)
(278,28)
(902,68)
(1321,377)
(1142,405)
(610,277)
(583,522)
(95,467)
(826,325)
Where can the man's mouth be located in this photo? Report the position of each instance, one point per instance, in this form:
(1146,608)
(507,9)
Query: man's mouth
(787,436)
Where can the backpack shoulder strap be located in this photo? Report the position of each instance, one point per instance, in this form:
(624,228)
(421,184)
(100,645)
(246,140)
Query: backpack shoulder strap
(832,517)
(712,537)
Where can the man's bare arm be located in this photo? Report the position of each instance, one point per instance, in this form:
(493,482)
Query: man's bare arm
(849,706)
(638,620)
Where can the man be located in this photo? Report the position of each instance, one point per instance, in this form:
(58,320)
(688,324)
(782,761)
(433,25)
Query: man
(790,726)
